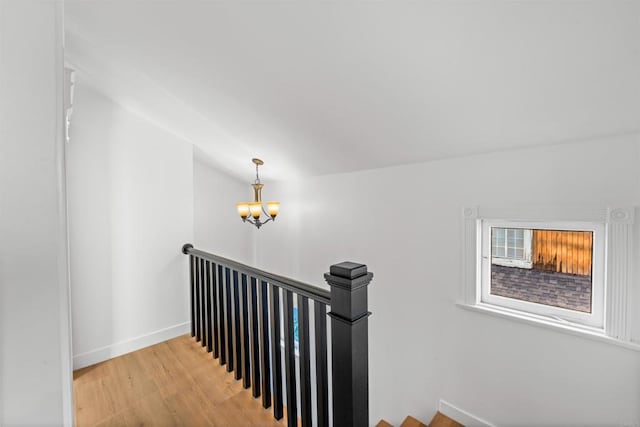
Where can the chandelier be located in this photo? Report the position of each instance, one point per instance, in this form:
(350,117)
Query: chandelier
(255,208)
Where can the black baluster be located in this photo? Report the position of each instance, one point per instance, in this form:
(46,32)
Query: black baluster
(276,353)
(198,303)
(254,338)
(322,377)
(221,309)
(263,331)
(209,317)
(203,304)
(244,332)
(290,359)
(305,363)
(229,320)
(214,314)
(193,295)
(236,327)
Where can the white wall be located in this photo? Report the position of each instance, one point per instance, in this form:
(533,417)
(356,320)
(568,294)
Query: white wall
(405,224)
(130,201)
(218,228)
(35,365)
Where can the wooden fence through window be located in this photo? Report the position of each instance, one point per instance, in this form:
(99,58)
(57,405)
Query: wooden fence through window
(562,251)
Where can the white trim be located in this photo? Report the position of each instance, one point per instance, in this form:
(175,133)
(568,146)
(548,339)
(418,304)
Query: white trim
(462,416)
(620,271)
(512,262)
(64,297)
(470,251)
(123,347)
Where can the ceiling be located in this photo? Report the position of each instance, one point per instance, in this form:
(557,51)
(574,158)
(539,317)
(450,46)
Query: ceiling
(319,87)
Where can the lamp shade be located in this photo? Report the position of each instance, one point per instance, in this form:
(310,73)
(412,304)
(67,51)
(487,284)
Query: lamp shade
(256,209)
(243,209)
(273,208)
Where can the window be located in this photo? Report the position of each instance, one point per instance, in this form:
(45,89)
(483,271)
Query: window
(556,266)
(511,247)
(551,269)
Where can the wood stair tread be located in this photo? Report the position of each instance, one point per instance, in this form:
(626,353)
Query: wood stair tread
(438,420)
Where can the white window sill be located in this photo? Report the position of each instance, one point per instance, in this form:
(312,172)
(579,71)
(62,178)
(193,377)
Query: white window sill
(549,323)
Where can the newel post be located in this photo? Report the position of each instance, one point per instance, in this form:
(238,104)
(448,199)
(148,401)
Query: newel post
(349,343)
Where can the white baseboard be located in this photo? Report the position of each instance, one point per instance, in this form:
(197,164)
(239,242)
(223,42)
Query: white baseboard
(118,349)
(461,416)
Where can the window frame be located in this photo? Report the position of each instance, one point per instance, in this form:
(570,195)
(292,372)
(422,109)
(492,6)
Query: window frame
(620,325)
(595,319)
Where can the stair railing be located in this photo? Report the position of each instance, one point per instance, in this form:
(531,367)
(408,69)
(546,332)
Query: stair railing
(238,313)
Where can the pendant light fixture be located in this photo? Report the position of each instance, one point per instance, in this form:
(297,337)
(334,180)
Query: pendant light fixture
(255,209)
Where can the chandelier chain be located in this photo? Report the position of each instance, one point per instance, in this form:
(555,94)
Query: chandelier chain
(257,181)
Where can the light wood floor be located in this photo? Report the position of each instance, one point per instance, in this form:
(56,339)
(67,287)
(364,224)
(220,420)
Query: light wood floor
(171,383)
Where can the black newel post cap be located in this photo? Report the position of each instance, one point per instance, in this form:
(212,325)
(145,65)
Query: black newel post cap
(348,270)
(186,247)
(349,275)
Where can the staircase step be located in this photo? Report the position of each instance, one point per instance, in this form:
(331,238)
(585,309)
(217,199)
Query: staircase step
(438,420)
(412,422)
(441,420)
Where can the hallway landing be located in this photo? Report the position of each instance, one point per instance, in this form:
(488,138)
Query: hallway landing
(172,383)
